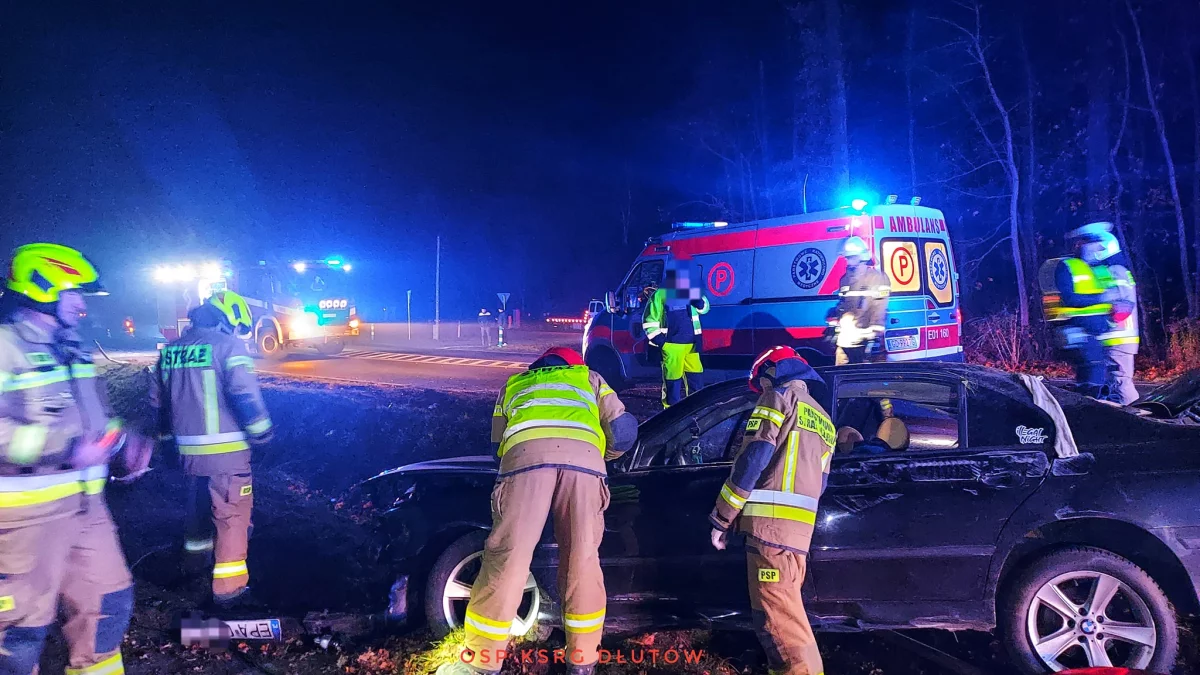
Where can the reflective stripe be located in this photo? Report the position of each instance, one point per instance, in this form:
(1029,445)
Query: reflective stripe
(27,442)
(82,371)
(209,439)
(230,569)
(1110,339)
(110,666)
(235,361)
(768,413)
(216,449)
(18,491)
(495,630)
(784,498)
(789,462)
(37,378)
(780,512)
(553,386)
(197,545)
(498,412)
(570,403)
(549,432)
(212,413)
(583,623)
(560,424)
(732,497)
(260,427)
(651,334)
(605,390)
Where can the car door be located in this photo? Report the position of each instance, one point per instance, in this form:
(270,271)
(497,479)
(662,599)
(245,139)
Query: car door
(656,547)
(919,523)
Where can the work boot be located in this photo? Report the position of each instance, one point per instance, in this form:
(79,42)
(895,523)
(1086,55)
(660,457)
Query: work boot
(460,668)
(241,600)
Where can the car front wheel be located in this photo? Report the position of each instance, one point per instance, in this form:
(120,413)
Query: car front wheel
(1086,607)
(449,588)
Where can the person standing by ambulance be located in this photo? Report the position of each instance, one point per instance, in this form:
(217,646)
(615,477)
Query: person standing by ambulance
(771,496)
(861,312)
(59,551)
(672,323)
(207,397)
(553,428)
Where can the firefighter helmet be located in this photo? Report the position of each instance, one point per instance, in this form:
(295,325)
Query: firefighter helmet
(1096,242)
(855,248)
(42,272)
(768,360)
(567,354)
(234,309)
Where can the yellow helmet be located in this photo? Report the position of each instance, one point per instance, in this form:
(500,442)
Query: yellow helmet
(235,310)
(41,272)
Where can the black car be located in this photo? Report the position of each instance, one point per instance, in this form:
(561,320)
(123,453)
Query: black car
(1077,539)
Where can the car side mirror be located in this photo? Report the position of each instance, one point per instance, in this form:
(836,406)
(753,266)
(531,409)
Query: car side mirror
(610,302)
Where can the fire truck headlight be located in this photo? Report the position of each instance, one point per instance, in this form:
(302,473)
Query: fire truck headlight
(300,267)
(162,274)
(212,271)
(354,323)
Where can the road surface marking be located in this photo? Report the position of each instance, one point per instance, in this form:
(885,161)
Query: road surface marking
(432,360)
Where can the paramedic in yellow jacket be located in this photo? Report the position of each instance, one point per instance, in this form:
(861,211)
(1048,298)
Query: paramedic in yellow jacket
(554,427)
(59,553)
(672,323)
(771,497)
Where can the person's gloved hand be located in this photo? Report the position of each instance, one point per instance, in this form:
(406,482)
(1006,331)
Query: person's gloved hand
(719,538)
(99,448)
(134,459)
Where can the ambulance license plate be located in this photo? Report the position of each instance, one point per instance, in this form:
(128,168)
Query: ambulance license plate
(903,343)
(258,629)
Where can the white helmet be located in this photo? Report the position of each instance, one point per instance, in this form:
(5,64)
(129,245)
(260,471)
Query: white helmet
(855,248)
(1097,242)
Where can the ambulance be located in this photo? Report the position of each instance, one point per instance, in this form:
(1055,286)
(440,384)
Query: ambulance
(773,282)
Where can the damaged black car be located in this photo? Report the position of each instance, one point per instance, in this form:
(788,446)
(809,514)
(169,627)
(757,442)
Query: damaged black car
(1069,526)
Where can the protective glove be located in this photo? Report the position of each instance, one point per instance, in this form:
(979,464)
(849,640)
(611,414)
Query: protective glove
(719,538)
(99,448)
(134,459)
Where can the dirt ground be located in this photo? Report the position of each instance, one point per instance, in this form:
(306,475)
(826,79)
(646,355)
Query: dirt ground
(309,554)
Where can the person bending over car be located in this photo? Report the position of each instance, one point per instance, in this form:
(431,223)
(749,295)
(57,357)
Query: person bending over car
(779,474)
(552,430)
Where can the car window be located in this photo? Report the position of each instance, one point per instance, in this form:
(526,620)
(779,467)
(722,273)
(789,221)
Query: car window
(928,413)
(647,273)
(708,435)
(995,419)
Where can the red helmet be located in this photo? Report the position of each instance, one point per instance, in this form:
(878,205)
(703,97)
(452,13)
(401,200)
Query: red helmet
(768,359)
(567,354)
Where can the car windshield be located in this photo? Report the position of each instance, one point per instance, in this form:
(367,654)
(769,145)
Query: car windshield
(316,282)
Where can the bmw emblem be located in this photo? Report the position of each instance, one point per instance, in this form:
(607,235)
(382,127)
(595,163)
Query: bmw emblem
(808,268)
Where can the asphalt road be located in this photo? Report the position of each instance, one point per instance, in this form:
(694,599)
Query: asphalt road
(409,369)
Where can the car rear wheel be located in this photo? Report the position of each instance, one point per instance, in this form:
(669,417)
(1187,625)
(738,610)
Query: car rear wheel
(449,588)
(1086,607)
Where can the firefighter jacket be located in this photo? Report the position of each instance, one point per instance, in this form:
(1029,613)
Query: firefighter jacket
(781,469)
(863,294)
(50,400)
(560,416)
(1123,335)
(207,397)
(677,319)
(1074,295)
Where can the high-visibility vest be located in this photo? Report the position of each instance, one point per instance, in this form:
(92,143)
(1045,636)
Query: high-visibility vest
(551,403)
(1123,332)
(1085,279)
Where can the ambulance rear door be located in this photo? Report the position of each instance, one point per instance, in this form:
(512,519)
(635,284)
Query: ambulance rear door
(913,250)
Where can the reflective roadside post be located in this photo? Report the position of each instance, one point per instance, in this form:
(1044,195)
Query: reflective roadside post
(503,306)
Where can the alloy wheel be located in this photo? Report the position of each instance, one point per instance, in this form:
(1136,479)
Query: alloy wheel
(1087,619)
(457,594)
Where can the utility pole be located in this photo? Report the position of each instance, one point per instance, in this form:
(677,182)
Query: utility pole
(409,293)
(437,289)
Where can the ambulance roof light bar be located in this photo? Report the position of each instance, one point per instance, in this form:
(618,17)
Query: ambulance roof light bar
(687,225)
(916,201)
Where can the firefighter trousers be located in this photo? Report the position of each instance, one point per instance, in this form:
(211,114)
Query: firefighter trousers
(71,566)
(775,576)
(1120,373)
(682,372)
(231,500)
(521,504)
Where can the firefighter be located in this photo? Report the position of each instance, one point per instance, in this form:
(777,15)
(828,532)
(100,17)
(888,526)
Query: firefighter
(672,323)
(207,398)
(485,327)
(58,545)
(859,317)
(1077,297)
(554,427)
(771,496)
(1098,247)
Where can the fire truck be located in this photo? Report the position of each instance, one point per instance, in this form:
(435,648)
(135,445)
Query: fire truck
(774,281)
(300,304)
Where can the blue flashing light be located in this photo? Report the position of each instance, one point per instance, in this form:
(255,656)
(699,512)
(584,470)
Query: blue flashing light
(858,204)
(333,262)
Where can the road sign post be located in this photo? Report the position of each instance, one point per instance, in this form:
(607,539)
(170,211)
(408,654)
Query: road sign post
(409,294)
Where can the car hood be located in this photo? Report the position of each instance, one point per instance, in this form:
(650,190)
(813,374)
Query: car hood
(466,464)
(1173,399)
